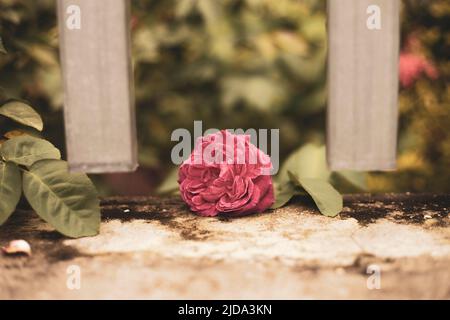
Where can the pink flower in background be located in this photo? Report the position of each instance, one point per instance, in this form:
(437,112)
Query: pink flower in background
(226,174)
(413,64)
(412,67)
(134,22)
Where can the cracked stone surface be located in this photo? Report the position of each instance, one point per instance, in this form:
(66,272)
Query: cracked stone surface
(156,248)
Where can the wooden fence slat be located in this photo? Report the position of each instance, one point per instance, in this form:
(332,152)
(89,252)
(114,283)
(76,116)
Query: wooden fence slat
(363,85)
(99,102)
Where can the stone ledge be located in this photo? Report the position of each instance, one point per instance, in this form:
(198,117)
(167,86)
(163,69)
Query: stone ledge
(155,248)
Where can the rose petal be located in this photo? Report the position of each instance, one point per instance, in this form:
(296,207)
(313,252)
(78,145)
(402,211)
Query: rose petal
(235,186)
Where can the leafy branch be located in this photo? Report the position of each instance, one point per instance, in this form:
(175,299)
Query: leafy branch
(305,172)
(67,201)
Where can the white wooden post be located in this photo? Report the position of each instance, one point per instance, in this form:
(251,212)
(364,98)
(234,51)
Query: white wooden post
(97,72)
(363,84)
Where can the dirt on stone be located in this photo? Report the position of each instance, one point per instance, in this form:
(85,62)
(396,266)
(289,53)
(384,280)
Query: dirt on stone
(147,274)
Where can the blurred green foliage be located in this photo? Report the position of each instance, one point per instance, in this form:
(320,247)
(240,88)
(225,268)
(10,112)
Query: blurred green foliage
(424,135)
(232,64)
(237,64)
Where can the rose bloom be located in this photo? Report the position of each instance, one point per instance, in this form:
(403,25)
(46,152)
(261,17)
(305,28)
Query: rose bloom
(226,174)
(412,66)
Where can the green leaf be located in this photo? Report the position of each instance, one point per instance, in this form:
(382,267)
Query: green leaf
(258,92)
(170,184)
(23,114)
(314,102)
(26,150)
(67,201)
(284,193)
(14,133)
(350,180)
(184,7)
(10,189)
(2,47)
(307,162)
(328,200)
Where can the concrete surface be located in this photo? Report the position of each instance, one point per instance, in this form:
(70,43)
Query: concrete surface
(155,248)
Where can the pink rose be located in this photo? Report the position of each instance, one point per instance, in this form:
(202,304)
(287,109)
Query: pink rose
(412,67)
(226,174)
(413,64)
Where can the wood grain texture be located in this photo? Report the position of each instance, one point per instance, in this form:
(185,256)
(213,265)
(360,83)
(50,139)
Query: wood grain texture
(99,102)
(363,86)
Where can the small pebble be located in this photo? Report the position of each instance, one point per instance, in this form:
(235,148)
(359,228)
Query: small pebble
(17,247)
(126,210)
(427,216)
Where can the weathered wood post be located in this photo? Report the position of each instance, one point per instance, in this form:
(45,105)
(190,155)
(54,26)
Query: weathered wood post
(363,84)
(99,102)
